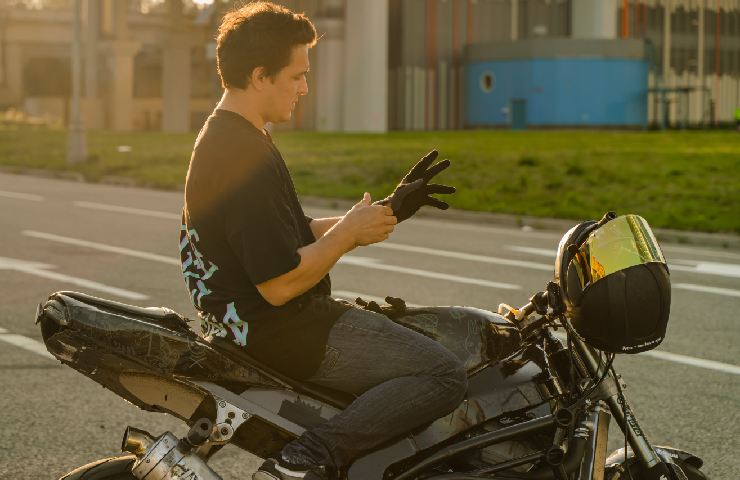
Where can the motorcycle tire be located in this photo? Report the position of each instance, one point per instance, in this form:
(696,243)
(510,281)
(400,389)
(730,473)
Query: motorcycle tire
(114,468)
(691,472)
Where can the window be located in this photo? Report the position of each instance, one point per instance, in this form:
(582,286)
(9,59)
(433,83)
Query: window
(487,82)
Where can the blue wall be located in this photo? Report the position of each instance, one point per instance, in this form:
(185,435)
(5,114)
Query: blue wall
(577,92)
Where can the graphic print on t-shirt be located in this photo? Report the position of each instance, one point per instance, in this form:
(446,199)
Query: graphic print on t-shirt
(201,269)
(197,270)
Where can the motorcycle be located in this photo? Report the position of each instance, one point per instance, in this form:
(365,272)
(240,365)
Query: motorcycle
(539,402)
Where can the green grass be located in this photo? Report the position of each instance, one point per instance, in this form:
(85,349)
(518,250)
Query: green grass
(682,180)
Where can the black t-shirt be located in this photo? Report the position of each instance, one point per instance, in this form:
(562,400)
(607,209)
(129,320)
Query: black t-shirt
(242,225)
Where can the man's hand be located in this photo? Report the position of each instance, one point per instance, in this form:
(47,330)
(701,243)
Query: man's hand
(362,225)
(395,308)
(365,223)
(415,191)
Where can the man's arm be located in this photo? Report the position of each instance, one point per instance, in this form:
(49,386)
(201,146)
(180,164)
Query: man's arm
(362,225)
(319,226)
(316,261)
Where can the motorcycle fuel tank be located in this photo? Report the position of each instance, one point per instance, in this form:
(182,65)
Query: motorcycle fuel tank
(500,394)
(476,336)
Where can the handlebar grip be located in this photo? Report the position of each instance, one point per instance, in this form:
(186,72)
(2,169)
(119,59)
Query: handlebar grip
(527,309)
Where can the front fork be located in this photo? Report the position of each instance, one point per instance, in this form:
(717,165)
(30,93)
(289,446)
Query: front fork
(594,458)
(624,417)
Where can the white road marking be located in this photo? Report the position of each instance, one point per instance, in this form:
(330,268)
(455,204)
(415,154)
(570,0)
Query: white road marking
(709,268)
(429,222)
(678,358)
(458,225)
(689,266)
(662,355)
(542,252)
(41,270)
(729,292)
(378,265)
(121,209)
(694,362)
(348,260)
(21,196)
(726,269)
(547,252)
(26,343)
(699,251)
(678,265)
(464,256)
(40,349)
(102,247)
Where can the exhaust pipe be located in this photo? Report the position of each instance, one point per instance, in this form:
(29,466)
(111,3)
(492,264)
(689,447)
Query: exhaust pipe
(164,457)
(136,441)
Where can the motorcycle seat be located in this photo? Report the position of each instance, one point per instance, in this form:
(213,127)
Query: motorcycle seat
(331,396)
(153,313)
(171,319)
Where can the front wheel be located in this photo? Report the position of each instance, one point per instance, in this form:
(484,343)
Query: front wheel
(691,472)
(114,468)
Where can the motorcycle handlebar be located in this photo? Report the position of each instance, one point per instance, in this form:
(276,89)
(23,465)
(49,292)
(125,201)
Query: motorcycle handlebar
(528,309)
(548,301)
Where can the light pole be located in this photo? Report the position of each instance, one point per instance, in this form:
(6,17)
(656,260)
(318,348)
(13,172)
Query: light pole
(76,141)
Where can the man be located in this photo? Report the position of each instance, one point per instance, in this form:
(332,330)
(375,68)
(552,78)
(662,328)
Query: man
(257,267)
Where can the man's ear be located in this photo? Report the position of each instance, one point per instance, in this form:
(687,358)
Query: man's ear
(258,78)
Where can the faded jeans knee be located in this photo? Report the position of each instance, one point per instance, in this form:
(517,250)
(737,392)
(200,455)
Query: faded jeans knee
(454,378)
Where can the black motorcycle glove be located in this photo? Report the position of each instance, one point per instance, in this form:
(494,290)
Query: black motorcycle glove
(394,309)
(415,191)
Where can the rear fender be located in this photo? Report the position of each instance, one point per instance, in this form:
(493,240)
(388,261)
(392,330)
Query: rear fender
(115,468)
(667,454)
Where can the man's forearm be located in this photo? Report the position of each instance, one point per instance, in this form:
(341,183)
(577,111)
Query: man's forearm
(319,226)
(363,224)
(316,261)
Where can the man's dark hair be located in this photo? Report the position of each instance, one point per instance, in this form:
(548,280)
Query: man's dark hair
(259,34)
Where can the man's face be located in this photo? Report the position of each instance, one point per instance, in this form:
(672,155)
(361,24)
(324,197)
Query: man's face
(290,83)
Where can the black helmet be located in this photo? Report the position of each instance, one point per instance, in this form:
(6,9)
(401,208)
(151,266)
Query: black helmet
(615,283)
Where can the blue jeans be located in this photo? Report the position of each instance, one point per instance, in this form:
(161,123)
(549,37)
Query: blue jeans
(402,378)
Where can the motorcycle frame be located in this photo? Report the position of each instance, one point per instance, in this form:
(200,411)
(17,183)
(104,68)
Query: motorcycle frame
(586,442)
(602,406)
(589,459)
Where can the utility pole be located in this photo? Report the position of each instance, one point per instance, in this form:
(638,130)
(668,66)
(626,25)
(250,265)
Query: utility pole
(76,141)
(700,61)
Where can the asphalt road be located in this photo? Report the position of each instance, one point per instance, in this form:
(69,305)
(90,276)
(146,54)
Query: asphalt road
(121,243)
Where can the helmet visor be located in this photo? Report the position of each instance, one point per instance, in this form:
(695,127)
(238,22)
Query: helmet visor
(621,243)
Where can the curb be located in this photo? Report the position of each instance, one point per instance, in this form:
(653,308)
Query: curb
(557,225)
(727,241)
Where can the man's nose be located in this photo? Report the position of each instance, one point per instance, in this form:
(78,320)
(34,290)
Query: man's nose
(303,87)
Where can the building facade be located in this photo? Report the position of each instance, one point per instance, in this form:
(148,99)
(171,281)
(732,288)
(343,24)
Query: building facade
(140,70)
(692,53)
(387,64)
